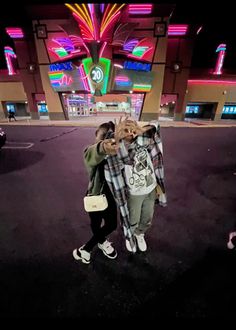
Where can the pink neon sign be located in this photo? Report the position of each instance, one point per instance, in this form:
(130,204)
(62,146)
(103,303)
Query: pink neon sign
(102,49)
(15,33)
(220,59)
(140,9)
(177,30)
(84,78)
(212,82)
(9,55)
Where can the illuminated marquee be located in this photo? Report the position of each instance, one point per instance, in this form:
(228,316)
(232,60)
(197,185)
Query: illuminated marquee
(98,74)
(66,77)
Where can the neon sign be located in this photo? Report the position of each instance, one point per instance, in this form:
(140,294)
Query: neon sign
(144,50)
(177,30)
(84,78)
(9,55)
(140,9)
(96,74)
(61,66)
(123,81)
(59,78)
(136,66)
(85,15)
(220,60)
(142,87)
(15,33)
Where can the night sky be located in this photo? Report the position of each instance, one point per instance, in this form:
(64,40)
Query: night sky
(217,20)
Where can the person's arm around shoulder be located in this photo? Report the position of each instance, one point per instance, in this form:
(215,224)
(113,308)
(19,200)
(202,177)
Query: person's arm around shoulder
(94,154)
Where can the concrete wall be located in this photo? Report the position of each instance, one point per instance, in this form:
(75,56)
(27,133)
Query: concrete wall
(179,50)
(152,99)
(213,93)
(10,92)
(55,108)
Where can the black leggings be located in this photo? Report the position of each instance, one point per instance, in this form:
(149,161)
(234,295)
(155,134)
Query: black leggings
(110,222)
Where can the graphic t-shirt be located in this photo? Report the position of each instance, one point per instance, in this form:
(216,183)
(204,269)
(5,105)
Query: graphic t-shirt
(140,176)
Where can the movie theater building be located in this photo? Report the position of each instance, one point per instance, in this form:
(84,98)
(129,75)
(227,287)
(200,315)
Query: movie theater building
(104,59)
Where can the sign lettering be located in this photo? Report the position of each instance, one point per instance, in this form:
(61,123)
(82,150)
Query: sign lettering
(67,66)
(137,66)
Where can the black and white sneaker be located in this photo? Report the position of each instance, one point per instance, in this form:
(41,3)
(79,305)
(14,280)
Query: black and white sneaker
(80,254)
(108,250)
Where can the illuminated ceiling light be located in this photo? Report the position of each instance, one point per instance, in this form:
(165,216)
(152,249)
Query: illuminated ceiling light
(15,33)
(177,30)
(140,9)
(73,92)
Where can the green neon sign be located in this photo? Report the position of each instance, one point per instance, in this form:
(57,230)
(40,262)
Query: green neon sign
(98,75)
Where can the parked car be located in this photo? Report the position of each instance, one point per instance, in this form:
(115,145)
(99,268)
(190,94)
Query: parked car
(3,138)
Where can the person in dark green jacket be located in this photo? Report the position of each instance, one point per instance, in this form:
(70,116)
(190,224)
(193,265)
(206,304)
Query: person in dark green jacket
(95,158)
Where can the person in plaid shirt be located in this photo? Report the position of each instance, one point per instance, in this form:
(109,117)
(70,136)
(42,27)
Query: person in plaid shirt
(136,177)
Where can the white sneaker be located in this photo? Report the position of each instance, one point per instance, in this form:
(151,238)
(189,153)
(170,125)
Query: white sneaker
(129,248)
(142,245)
(108,250)
(230,244)
(80,254)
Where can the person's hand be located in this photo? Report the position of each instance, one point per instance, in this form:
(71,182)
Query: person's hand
(123,128)
(109,146)
(128,128)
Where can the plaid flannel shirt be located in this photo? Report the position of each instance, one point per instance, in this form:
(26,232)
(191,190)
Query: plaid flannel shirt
(115,175)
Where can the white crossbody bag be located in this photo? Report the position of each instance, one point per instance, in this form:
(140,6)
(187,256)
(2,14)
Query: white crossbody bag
(94,203)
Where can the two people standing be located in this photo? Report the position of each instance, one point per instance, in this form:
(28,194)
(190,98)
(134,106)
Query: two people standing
(126,163)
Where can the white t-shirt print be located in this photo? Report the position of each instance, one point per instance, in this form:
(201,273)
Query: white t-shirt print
(140,176)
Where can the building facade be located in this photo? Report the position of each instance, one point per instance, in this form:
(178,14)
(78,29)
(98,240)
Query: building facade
(100,59)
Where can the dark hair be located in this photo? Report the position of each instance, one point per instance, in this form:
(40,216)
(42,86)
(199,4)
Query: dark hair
(107,128)
(151,132)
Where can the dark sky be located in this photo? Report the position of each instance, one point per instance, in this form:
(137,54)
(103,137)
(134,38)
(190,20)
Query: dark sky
(218,22)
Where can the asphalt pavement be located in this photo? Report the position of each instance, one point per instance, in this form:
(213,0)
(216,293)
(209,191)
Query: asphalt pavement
(187,270)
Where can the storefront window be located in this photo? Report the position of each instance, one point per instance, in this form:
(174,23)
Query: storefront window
(77,105)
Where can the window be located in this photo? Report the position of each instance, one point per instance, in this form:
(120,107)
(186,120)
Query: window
(11,107)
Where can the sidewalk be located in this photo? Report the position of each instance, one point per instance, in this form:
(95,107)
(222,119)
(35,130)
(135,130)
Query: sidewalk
(95,121)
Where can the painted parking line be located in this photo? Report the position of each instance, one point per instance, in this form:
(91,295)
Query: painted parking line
(18,145)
